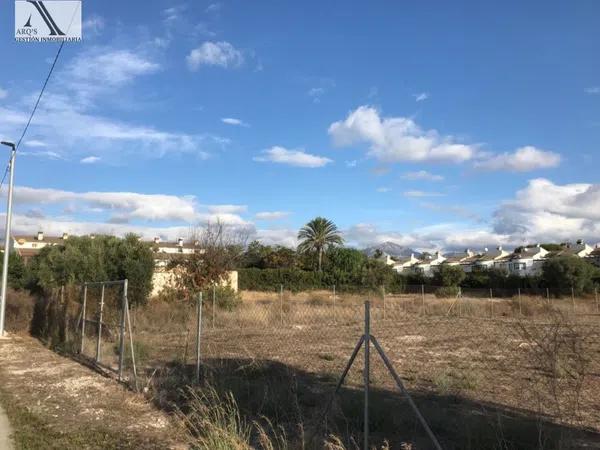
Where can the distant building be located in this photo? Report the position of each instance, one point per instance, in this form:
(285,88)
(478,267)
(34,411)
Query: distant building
(27,246)
(528,261)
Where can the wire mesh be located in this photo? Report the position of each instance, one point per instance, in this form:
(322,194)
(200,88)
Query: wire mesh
(479,363)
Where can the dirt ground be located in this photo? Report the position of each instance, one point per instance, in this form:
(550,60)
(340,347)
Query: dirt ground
(54,402)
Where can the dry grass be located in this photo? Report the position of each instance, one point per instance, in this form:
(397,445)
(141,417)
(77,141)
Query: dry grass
(487,373)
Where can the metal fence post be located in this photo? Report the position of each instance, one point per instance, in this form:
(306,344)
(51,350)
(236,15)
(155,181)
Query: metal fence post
(83,307)
(519,294)
(122,333)
(131,346)
(423,299)
(98,343)
(459,301)
(573,298)
(367,372)
(334,318)
(281,303)
(491,303)
(383,293)
(214,304)
(548,295)
(198,335)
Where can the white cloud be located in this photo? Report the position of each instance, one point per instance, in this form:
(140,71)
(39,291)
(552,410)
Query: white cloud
(92,78)
(383,190)
(421,96)
(297,158)
(233,121)
(94,25)
(34,143)
(227,209)
(3,93)
(221,54)
(523,159)
(316,93)
(109,66)
(421,194)
(422,175)
(214,7)
(90,160)
(271,215)
(547,211)
(42,154)
(282,236)
(352,163)
(397,139)
(131,204)
(592,90)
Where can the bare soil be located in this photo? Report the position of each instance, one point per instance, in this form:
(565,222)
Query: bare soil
(55,402)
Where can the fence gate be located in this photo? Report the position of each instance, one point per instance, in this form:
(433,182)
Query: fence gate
(105,328)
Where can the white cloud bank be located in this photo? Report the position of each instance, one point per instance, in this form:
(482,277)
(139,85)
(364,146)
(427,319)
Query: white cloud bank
(271,215)
(523,159)
(220,54)
(395,139)
(400,139)
(296,158)
(92,78)
(421,175)
(234,121)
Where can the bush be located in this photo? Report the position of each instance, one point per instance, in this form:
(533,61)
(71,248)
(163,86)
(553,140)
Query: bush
(19,311)
(271,280)
(446,275)
(447,291)
(225,297)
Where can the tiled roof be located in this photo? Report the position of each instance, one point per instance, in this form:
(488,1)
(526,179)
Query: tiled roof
(46,239)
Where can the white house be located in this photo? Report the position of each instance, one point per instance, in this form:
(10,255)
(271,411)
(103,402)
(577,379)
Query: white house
(428,264)
(28,246)
(405,264)
(491,258)
(459,259)
(528,261)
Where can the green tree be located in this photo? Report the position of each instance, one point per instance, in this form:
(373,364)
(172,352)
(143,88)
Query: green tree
(17,271)
(447,275)
(318,235)
(219,251)
(83,259)
(569,272)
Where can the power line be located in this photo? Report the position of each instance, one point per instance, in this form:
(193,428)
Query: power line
(40,96)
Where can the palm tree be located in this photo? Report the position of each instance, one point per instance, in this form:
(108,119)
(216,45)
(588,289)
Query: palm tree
(317,235)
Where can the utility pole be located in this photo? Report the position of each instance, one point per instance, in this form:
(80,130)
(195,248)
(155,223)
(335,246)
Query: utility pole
(11,165)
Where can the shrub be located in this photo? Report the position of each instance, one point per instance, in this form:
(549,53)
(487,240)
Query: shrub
(447,275)
(19,311)
(225,297)
(447,291)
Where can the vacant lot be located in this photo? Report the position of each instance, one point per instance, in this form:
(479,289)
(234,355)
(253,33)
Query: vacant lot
(486,374)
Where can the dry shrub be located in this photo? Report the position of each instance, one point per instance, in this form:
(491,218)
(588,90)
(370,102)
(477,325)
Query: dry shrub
(20,307)
(213,421)
(560,353)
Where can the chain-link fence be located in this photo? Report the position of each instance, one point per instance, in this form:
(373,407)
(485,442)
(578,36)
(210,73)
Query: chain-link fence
(486,368)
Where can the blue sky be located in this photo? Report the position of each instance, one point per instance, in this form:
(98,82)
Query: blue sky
(433,126)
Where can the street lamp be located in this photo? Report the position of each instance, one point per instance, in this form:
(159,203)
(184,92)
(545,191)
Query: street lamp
(11,165)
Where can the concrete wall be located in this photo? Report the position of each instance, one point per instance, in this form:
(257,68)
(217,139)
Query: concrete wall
(166,278)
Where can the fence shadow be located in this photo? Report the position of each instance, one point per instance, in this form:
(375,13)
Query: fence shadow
(295,399)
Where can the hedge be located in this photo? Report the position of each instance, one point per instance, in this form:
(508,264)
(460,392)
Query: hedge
(296,280)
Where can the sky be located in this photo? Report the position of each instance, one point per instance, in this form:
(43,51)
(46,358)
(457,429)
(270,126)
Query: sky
(438,125)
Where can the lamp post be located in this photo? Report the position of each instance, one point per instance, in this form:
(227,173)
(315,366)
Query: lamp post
(11,165)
